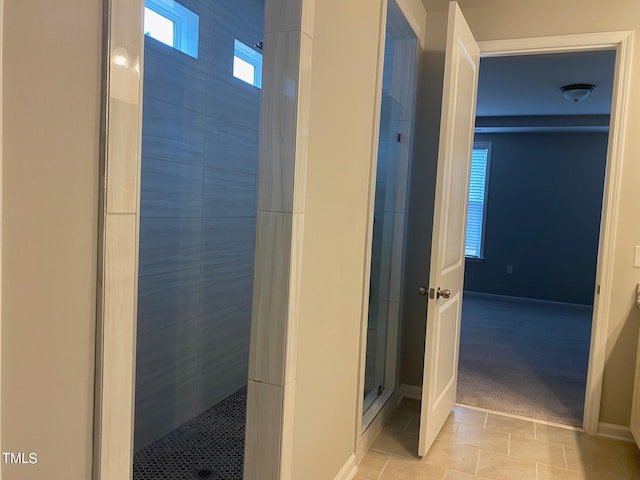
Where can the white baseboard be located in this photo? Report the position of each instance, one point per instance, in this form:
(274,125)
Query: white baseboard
(524,299)
(348,470)
(619,432)
(410,391)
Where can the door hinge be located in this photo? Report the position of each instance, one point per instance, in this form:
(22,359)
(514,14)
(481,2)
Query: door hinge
(398,138)
(598,290)
(380,390)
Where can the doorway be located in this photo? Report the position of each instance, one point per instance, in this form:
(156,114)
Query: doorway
(533,223)
(441,351)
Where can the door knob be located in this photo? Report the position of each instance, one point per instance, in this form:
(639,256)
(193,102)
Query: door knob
(423,291)
(444,293)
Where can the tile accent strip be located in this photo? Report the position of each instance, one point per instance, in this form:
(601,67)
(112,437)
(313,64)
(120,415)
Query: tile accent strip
(279,232)
(118,249)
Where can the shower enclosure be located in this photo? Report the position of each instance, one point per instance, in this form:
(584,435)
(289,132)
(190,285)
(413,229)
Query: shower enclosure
(387,244)
(381,249)
(202,80)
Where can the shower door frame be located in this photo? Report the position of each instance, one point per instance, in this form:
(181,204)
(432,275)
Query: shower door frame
(390,236)
(405,81)
(288,33)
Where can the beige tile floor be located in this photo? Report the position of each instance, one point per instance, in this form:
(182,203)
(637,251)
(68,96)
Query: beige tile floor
(478,445)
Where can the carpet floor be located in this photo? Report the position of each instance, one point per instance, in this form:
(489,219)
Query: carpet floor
(524,358)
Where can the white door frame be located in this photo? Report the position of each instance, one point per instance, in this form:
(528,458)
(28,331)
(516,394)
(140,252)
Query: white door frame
(622,42)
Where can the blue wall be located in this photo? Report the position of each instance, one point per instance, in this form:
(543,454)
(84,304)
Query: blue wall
(543,216)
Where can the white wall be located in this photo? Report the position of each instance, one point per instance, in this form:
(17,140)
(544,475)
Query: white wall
(51,109)
(344,87)
(343,139)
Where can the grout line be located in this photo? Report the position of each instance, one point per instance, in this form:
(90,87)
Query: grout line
(404,430)
(150,275)
(204,113)
(383,468)
(509,445)
(486,419)
(537,472)
(522,417)
(475,472)
(626,470)
(535,430)
(123,213)
(564,456)
(262,382)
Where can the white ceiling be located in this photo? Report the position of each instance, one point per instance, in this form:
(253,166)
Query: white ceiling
(530,84)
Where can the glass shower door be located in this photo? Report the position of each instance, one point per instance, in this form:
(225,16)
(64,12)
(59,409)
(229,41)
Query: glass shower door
(383,230)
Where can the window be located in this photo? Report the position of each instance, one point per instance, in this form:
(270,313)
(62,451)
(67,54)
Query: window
(474,246)
(159,27)
(247,64)
(172,24)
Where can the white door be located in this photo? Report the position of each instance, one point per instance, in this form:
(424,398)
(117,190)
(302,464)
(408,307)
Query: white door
(446,276)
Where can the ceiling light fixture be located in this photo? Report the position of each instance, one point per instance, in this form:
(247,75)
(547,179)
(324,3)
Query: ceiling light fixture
(577,91)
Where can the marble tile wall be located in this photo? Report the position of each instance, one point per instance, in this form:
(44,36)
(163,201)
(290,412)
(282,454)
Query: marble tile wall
(197,220)
(269,439)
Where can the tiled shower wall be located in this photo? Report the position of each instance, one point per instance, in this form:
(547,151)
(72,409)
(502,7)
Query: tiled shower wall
(197,221)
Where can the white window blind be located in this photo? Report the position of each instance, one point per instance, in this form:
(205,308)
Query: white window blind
(477,200)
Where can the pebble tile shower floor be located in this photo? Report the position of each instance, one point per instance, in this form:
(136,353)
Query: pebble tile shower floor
(212,440)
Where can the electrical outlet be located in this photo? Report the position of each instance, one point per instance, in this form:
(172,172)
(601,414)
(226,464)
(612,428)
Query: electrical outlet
(509,269)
